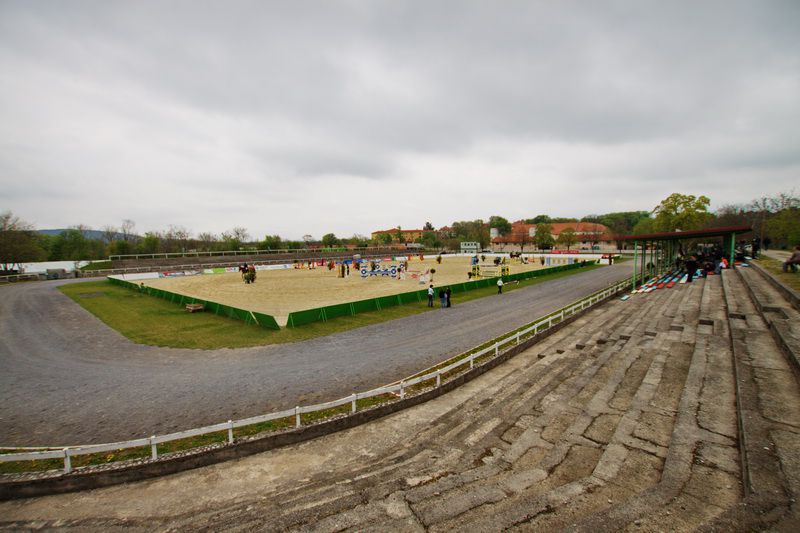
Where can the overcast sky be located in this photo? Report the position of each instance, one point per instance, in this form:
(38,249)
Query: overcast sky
(309,117)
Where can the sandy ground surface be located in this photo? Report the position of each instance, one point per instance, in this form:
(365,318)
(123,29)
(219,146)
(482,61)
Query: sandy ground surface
(279,292)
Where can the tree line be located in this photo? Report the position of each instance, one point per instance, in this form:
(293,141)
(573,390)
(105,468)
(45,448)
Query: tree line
(775,219)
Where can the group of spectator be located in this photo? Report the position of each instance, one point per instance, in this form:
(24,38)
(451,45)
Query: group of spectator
(444,296)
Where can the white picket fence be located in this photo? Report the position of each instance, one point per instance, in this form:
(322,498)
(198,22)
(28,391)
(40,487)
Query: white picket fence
(399,388)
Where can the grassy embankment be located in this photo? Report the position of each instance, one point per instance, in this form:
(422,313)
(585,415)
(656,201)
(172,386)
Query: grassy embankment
(148,320)
(774,267)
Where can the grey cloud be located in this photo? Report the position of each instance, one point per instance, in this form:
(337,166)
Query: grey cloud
(310,89)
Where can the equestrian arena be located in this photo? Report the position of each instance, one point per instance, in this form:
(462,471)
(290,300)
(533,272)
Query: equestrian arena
(281,291)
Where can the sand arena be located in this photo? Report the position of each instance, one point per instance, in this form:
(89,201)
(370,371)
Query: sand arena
(280,292)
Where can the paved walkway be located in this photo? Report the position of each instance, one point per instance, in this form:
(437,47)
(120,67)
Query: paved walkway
(66,379)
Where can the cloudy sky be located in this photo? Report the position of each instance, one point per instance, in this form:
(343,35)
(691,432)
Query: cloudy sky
(309,117)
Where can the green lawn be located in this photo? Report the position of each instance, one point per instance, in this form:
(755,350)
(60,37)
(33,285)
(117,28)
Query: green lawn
(774,267)
(148,320)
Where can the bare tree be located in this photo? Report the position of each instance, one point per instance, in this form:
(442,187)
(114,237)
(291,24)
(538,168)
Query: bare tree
(182,235)
(127,229)
(207,240)
(10,222)
(241,234)
(109,234)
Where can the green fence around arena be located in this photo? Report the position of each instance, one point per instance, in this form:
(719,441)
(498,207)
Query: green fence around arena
(323,314)
(248,317)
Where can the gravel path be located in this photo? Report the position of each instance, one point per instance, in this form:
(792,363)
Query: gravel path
(67,379)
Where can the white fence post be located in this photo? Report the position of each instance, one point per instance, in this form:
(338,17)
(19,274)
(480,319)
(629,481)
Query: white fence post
(438,378)
(471,360)
(518,338)
(230,431)
(297,416)
(67,462)
(496,348)
(402,390)
(153,448)
(353,403)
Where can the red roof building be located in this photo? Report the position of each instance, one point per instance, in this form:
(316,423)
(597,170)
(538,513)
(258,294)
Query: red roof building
(588,235)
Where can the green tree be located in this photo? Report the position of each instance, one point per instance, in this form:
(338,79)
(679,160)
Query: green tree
(567,237)
(544,236)
(329,240)
(19,243)
(150,243)
(428,227)
(644,226)
(429,239)
(502,225)
(784,228)
(71,245)
(234,238)
(620,223)
(384,238)
(682,212)
(472,231)
(120,248)
(271,242)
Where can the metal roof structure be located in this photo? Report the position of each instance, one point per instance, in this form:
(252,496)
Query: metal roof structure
(690,234)
(663,248)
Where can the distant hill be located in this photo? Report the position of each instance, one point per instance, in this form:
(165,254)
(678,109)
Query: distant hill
(93,234)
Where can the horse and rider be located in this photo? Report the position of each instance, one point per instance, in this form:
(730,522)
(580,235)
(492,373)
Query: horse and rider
(248,273)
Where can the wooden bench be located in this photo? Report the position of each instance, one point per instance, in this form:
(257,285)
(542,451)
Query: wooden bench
(195,307)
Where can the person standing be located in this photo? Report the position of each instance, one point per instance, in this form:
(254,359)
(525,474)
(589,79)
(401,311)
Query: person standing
(447,293)
(430,296)
(691,268)
(500,286)
(442,301)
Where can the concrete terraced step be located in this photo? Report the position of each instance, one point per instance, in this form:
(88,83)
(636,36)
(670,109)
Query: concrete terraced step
(769,414)
(626,419)
(783,319)
(553,438)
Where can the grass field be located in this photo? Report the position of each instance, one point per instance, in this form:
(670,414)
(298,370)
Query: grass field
(774,267)
(147,320)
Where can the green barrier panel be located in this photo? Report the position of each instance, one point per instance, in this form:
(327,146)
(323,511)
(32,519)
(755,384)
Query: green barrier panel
(462,287)
(387,301)
(364,306)
(409,297)
(338,310)
(266,321)
(299,318)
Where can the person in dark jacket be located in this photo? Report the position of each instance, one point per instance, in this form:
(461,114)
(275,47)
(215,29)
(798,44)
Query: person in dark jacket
(442,301)
(447,293)
(691,268)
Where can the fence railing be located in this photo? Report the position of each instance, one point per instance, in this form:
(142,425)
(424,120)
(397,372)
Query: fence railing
(399,388)
(18,277)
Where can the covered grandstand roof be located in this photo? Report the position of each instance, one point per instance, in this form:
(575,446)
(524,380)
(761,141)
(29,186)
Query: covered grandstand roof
(690,234)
